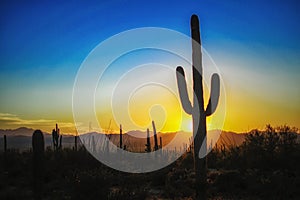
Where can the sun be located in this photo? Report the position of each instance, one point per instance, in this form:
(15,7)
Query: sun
(187,124)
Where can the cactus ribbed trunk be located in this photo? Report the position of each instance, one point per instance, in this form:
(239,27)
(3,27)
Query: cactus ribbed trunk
(197,110)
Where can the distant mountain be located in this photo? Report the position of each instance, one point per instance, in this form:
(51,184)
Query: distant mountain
(231,139)
(22,131)
(20,138)
(134,140)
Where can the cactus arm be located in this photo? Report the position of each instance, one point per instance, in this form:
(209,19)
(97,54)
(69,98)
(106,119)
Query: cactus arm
(185,101)
(214,95)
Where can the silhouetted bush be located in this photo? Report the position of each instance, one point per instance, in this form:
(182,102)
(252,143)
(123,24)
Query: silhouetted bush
(265,166)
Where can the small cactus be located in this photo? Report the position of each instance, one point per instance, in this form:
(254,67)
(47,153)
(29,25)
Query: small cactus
(38,146)
(197,110)
(5,150)
(223,150)
(75,145)
(148,145)
(55,137)
(121,137)
(155,137)
(93,144)
(107,144)
(5,144)
(160,143)
(60,142)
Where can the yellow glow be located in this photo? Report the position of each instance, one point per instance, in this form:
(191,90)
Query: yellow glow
(187,124)
(149,103)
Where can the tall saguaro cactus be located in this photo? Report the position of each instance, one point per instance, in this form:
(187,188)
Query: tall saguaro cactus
(197,110)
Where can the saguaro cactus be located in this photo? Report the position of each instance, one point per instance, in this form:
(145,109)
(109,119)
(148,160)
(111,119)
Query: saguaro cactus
(121,137)
(5,152)
(38,146)
(197,110)
(75,145)
(107,144)
(60,142)
(5,143)
(155,137)
(93,144)
(148,145)
(55,137)
(160,142)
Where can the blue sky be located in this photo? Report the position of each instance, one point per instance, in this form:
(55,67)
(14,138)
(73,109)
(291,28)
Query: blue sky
(42,45)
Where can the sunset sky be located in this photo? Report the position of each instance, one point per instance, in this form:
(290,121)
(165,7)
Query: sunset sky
(255,45)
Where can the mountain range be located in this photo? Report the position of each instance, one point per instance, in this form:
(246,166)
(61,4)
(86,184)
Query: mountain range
(20,138)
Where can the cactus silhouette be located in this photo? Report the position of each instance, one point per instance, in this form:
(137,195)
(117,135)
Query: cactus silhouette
(197,110)
(107,144)
(5,143)
(155,137)
(38,146)
(55,137)
(5,152)
(148,145)
(60,142)
(121,137)
(160,142)
(93,144)
(75,145)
